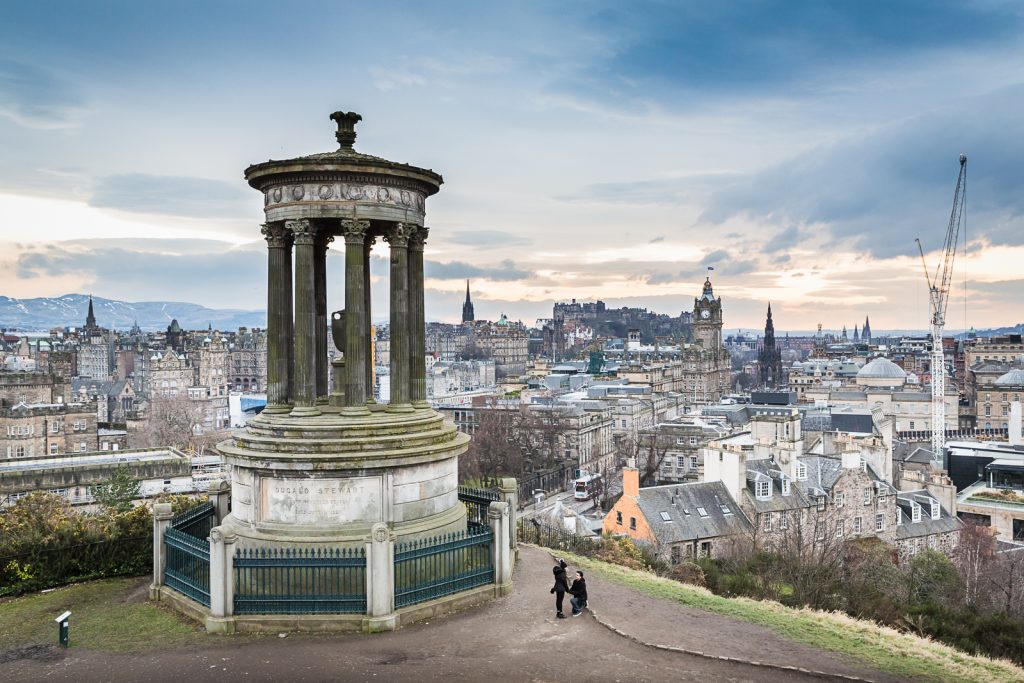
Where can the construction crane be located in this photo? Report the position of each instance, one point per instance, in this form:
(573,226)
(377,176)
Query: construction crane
(938,290)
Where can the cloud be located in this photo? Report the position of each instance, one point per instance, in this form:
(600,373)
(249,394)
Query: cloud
(487,238)
(659,238)
(34,97)
(171,196)
(878,191)
(458,270)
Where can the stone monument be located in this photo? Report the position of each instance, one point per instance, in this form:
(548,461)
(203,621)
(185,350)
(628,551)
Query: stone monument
(321,466)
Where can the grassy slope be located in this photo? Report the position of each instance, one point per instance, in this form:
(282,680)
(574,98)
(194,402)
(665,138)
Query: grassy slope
(882,648)
(103,617)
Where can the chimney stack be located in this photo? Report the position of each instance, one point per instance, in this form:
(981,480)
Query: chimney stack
(630,479)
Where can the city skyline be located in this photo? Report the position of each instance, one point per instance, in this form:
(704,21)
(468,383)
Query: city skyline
(590,152)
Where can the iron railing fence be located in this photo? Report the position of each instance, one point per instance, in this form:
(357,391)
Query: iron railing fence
(532,531)
(188,565)
(477,501)
(450,563)
(300,581)
(196,521)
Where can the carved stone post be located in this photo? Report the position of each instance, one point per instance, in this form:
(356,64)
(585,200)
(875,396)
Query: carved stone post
(162,516)
(498,520)
(398,238)
(219,493)
(508,490)
(417,322)
(320,289)
(222,581)
(304,233)
(380,579)
(279,308)
(356,342)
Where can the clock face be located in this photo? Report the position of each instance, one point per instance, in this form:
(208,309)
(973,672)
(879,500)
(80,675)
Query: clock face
(705,314)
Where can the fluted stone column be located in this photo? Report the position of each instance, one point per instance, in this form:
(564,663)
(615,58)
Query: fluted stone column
(368,245)
(398,238)
(323,240)
(356,341)
(279,307)
(304,341)
(417,322)
(289,313)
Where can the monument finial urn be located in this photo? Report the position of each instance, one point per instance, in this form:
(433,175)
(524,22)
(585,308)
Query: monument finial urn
(346,134)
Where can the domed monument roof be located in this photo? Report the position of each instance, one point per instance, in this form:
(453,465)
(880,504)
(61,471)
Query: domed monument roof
(881,368)
(1014,378)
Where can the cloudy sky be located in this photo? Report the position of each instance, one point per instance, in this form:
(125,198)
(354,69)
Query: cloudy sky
(590,150)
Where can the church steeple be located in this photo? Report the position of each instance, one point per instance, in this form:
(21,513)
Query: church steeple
(865,333)
(467,307)
(90,317)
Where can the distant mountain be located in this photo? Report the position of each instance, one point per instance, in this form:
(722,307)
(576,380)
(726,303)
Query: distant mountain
(70,310)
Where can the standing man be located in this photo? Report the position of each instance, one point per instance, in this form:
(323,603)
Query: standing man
(560,588)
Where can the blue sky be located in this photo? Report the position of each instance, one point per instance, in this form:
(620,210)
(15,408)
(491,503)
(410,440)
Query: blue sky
(590,150)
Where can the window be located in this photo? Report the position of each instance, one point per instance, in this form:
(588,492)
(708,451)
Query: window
(82,447)
(702,512)
(676,554)
(705,548)
(856,525)
(840,528)
(867,496)
(915,514)
(879,522)
(19,451)
(725,509)
(766,521)
(840,499)
(632,523)
(786,486)
(694,464)
(899,516)
(936,509)
(54,427)
(801,471)
(764,489)
(665,517)
(693,441)
(53,449)
(681,461)
(618,518)
(821,503)
(783,521)
(911,425)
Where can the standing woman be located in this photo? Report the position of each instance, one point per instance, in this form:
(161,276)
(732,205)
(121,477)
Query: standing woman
(578,590)
(560,587)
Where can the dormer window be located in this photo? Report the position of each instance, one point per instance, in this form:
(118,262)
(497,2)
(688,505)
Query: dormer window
(899,516)
(786,486)
(764,489)
(801,471)
(915,514)
(936,510)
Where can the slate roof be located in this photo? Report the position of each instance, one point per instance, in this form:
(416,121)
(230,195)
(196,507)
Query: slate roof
(905,452)
(927,526)
(882,368)
(680,503)
(767,470)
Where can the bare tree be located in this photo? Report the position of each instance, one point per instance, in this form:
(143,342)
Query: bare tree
(975,556)
(495,448)
(649,448)
(172,421)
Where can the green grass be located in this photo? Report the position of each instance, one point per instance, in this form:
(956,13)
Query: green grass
(106,615)
(857,640)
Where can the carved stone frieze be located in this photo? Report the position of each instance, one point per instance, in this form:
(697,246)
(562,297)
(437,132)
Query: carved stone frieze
(413,200)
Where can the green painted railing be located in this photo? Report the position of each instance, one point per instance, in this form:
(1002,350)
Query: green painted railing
(188,565)
(477,501)
(300,581)
(442,565)
(196,521)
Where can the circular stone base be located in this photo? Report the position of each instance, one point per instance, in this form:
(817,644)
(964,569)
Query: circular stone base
(326,479)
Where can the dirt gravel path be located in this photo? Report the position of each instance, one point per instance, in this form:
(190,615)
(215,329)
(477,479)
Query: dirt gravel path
(516,638)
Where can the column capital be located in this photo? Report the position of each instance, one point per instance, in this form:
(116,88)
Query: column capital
(275,234)
(354,230)
(418,238)
(302,230)
(323,240)
(398,234)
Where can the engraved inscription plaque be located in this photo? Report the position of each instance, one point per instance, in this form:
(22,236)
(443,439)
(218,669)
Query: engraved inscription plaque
(320,501)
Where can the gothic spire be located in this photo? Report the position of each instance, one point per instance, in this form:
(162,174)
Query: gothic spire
(90,317)
(467,308)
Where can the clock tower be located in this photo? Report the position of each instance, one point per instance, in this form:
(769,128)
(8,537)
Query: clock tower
(707,318)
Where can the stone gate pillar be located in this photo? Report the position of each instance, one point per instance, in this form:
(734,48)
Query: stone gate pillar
(380,579)
(162,516)
(498,520)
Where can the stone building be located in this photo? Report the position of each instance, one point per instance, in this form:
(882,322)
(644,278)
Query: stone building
(676,447)
(247,361)
(115,400)
(506,342)
(706,365)
(994,394)
(33,430)
(1007,348)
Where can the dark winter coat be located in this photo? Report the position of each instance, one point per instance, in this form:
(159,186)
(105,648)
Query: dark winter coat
(561,583)
(579,590)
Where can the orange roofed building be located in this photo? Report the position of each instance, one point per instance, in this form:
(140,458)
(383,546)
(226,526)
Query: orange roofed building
(678,521)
